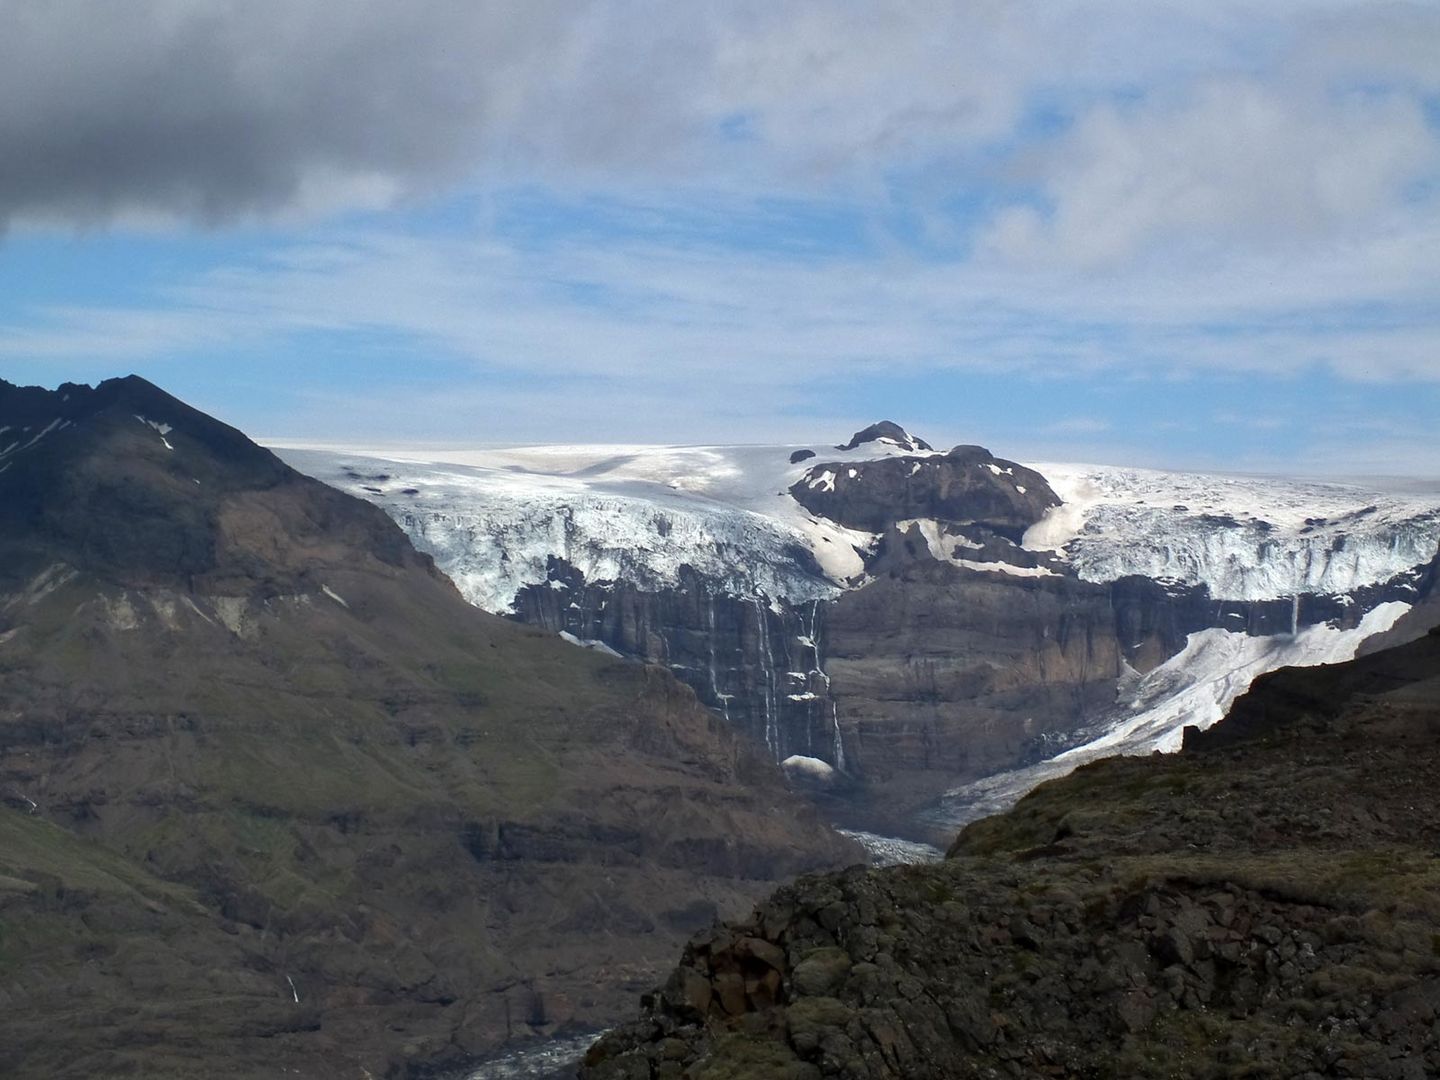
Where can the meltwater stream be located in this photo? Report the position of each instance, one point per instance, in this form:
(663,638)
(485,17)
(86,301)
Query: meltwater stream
(556,1059)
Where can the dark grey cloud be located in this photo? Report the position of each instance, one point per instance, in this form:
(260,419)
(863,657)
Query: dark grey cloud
(211,110)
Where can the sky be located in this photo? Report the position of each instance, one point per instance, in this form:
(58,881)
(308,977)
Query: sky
(1130,231)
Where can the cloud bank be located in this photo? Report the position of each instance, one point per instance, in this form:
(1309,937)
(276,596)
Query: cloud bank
(213,110)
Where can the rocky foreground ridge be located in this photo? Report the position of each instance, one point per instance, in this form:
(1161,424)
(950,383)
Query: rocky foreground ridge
(1263,904)
(274,799)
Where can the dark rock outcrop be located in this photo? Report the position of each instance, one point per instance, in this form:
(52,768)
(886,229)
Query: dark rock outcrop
(967,486)
(760,664)
(1263,903)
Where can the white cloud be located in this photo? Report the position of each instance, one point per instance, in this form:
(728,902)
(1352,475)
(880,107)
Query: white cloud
(1234,165)
(631,309)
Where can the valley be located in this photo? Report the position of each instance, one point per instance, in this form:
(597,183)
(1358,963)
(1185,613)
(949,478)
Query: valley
(803,540)
(274,780)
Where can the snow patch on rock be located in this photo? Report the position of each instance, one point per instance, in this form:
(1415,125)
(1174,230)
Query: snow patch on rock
(589,643)
(891,850)
(811,767)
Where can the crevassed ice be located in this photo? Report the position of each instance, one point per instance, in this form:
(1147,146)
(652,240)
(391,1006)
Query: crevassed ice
(641,513)
(637,517)
(1246,538)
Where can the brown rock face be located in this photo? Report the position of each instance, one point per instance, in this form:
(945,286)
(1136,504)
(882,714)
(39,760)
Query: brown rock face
(272,793)
(1263,903)
(940,672)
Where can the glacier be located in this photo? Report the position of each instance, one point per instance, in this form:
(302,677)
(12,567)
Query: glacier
(493,518)
(1243,537)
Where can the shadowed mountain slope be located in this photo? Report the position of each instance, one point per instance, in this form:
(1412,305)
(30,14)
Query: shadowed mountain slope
(273,793)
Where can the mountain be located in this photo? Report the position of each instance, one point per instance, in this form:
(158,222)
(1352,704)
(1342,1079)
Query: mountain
(920,631)
(274,797)
(1263,903)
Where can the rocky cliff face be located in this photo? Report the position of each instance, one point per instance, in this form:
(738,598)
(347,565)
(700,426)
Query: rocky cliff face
(1263,903)
(272,792)
(761,664)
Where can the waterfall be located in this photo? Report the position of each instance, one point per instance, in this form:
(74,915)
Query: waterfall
(1294,614)
(723,699)
(813,636)
(839,742)
(767,669)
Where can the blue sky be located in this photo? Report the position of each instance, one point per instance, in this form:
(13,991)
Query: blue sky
(1126,232)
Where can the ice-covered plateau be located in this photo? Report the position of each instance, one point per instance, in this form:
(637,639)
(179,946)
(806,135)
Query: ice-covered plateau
(701,557)
(494,518)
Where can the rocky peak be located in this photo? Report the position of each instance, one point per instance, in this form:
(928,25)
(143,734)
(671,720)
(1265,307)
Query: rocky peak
(127,482)
(74,417)
(888,432)
(968,486)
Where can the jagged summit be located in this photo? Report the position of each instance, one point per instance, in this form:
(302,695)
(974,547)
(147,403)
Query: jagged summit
(887,431)
(125,481)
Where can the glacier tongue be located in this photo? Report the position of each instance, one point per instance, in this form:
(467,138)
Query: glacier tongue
(1246,538)
(1195,687)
